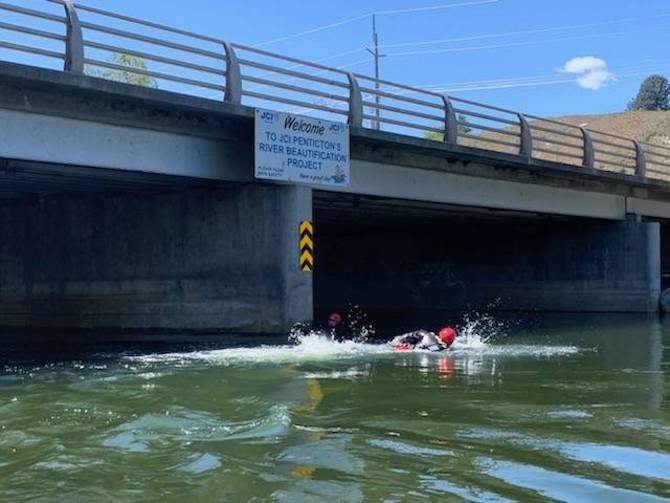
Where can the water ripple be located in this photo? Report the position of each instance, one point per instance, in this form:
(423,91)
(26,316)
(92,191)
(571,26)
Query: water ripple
(560,486)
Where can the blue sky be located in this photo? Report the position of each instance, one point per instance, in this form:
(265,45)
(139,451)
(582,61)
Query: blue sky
(519,54)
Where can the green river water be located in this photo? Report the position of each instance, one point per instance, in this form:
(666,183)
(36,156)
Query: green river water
(559,408)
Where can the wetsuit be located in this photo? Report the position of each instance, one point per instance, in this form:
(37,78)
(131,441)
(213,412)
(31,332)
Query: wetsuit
(418,339)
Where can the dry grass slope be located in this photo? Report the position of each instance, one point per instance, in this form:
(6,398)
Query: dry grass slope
(650,127)
(558,143)
(647,127)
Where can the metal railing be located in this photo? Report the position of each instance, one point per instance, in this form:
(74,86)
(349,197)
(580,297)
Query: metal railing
(88,40)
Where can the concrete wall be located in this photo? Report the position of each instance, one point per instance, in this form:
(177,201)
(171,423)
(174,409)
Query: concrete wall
(200,260)
(665,255)
(534,265)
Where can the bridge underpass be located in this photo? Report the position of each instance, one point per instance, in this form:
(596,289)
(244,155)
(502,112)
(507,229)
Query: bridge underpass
(665,254)
(90,248)
(21,179)
(110,248)
(387,254)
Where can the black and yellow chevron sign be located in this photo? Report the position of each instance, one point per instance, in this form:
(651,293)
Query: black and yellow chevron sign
(306,246)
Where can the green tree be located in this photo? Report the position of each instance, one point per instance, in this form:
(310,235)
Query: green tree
(125,76)
(654,94)
(462,129)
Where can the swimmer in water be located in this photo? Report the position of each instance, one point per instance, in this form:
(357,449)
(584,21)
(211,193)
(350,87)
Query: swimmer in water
(333,330)
(352,326)
(424,339)
(334,324)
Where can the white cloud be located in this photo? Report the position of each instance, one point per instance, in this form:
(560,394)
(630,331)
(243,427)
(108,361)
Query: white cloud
(594,80)
(584,64)
(592,71)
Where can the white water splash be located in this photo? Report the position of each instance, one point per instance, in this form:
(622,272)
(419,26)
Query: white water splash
(469,340)
(318,348)
(480,336)
(310,348)
(478,330)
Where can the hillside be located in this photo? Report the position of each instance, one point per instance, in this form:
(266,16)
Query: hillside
(564,143)
(651,127)
(648,127)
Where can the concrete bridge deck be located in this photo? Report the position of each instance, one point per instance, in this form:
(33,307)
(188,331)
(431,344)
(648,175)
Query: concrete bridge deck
(93,130)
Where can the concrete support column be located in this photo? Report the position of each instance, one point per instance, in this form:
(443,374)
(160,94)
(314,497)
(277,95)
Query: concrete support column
(204,260)
(297,297)
(641,261)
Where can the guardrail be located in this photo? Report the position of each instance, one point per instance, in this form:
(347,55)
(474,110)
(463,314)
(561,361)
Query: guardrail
(93,41)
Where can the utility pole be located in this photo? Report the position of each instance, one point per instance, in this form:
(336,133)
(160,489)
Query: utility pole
(375,53)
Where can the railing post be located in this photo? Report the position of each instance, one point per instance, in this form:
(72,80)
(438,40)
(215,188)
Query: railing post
(74,43)
(233,92)
(450,122)
(640,160)
(588,160)
(526,146)
(355,102)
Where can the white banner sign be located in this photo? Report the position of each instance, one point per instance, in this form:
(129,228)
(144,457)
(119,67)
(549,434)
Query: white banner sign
(296,148)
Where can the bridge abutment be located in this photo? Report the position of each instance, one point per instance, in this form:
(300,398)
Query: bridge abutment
(665,255)
(206,260)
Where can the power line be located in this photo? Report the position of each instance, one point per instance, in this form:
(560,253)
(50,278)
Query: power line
(498,46)
(476,37)
(476,85)
(523,32)
(482,37)
(369,14)
(480,85)
(530,83)
(375,50)
(494,84)
(377,55)
(357,18)
(313,30)
(458,49)
(434,7)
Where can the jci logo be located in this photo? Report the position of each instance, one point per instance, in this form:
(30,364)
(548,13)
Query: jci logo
(269,117)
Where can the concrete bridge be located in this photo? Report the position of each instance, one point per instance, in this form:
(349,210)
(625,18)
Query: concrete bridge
(135,207)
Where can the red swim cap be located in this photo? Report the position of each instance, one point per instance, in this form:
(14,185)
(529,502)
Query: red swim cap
(334,319)
(447,335)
